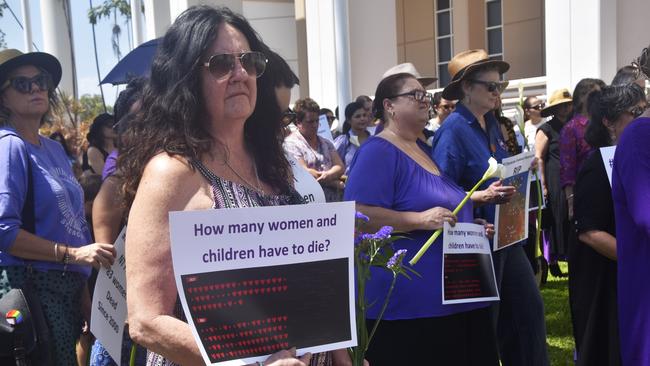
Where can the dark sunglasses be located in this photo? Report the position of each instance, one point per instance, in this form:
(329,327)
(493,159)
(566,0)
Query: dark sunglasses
(448,107)
(491,86)
(23,84)
(537,107)
(418,95)
(221,65)
(637,111)
(288,117)
(330,119)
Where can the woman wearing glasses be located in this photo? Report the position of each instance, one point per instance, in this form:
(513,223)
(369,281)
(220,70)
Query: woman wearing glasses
(593,279)
(461,148)
(44,235)
(198,142)
(532,115)
(395,182)
(316,154)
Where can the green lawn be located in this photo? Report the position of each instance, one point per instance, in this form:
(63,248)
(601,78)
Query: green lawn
(558,320)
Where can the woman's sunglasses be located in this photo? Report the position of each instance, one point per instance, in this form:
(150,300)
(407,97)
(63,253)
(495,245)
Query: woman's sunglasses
(491,86)
(23,84)
(537,107)
(221,65)
(418,95)
(288,117)
(638,111)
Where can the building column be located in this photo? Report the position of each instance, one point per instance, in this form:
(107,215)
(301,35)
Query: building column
(580,41)
(321,52)
(157,18)
(56,26)
(136,22)
(373,43)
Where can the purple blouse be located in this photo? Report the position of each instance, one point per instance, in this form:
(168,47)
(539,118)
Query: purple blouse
(382,175)
(631,193)
(573,149)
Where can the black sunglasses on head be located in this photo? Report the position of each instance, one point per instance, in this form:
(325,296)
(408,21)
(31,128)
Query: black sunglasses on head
(637,111)
(491,86)
(288,117)
(221,65)
(23,84)
(418,95)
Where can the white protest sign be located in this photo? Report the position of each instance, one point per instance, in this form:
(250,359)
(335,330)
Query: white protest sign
(511,219)
(108,314)
(467,269)
(324,128)
(305,184)
(254,281)
(608,159)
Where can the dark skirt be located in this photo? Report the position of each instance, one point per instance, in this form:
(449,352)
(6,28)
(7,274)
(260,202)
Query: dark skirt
(60,297)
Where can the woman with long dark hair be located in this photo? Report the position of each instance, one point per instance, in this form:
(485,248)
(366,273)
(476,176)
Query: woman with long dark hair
(354,133)
(199,141)
(592,260)
(101,142)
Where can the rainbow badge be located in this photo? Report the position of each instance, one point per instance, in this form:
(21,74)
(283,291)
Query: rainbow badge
(14,317)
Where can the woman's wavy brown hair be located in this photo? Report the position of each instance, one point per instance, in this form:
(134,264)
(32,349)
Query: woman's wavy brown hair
(171,117)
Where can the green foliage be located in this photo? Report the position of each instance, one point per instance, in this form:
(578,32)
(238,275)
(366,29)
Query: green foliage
(559,331)
(3,44)
(108,8)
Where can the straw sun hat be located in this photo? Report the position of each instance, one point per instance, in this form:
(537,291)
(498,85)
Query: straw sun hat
(12,58)
(462,65)
(557,98)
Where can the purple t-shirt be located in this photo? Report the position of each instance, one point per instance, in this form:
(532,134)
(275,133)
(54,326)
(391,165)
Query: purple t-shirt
(384,176)
(110,165)
(58,198)
(631,193)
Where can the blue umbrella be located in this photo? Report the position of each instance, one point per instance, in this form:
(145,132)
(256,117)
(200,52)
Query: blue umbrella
(135,63)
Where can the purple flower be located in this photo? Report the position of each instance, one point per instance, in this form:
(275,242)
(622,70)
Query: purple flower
(395,262)
(359,216)
(383,233)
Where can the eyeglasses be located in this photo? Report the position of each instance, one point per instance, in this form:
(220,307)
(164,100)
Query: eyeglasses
(330,119)
(23,84)
(637,111)
(288,117)
(418,95)
(491,86)
(222,65)
(538,107)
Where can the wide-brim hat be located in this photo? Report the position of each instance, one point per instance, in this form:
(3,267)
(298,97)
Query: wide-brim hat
(557,98)
(462,64)
(409,68)
(13,58)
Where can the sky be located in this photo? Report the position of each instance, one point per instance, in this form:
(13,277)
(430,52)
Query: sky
(83,42)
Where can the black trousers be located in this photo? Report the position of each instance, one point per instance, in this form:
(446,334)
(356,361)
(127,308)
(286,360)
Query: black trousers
(464,339)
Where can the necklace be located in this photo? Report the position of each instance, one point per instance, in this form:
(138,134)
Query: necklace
(257,187)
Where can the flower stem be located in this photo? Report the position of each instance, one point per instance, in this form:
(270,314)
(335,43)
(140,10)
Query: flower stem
(436,234)
(381,313)
(538,229)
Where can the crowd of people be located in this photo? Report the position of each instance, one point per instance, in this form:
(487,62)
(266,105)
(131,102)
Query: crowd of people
(211,128)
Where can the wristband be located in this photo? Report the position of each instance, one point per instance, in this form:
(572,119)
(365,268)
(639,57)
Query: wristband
(66,259)
(56,251)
